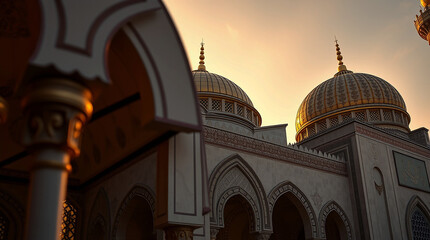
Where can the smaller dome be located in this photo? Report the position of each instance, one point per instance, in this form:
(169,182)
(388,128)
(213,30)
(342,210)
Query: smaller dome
(211,83)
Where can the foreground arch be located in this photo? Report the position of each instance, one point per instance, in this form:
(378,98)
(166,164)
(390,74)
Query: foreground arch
(336,213)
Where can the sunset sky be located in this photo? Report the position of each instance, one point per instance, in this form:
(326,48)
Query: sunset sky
(277,51)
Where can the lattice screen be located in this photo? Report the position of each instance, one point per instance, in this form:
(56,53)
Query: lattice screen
(240,110)
(398,117)
(322,125)
(334,121)
(346,116)
(204,102)
(228,107)
(249,114)
(420,225)
(375,115)
(388,116)
(68,226)
(216,105)
(360,116)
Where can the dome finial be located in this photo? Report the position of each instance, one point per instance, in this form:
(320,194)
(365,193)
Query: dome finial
(202,66)
(339,57)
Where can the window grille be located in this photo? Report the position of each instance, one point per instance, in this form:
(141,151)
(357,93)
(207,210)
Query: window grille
(216,105)
(204,102)
(346,117)
(420,225)
(398,117)
(321,125)
(311,130)
(388,116)
(4,226)
(249,114)
(240,110)
(68,225)
(360,116)
(375,116)
(334,121)
(228,107)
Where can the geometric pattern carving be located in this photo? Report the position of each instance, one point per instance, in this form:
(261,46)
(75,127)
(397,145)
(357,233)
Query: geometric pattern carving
(68,225)
(326,210)
(288,187)
(137,191)
(12,211)
(100,217)
(231,177)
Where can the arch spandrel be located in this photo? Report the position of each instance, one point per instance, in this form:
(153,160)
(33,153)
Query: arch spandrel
(305,207)
(233,176)
(328,208)
(100,216)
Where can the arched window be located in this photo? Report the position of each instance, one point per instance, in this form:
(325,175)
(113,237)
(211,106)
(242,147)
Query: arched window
(420,225)
(4,226)
(68,225)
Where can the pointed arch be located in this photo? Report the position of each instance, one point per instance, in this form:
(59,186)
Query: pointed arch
(417,208)
(305,208)
(100,221)
(234,176)
(334,207)
(140,193)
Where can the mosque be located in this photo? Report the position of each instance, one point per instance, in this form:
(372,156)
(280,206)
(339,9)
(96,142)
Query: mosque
(106,134)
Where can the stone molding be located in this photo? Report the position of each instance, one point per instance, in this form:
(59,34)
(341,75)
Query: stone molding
(137,191)
(326,210)
(288,187)
(255,146)
(387,138)
(233,176)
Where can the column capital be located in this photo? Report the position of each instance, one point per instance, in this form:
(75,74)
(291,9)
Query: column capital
(55,111)
(261,235)
(179,233)
(214,233)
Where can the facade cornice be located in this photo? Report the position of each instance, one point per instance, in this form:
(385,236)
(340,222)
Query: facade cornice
(261,148)
(389,139)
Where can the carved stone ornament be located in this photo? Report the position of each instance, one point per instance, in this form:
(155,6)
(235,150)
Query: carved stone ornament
(214,232)
(261,236)
(379,188)
(55,112)
(3,110)
(179,233)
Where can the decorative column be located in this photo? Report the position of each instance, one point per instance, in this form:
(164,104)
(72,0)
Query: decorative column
(3,110)
(179,233)
(55,112)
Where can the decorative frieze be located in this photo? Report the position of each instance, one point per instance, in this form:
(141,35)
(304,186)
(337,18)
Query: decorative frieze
(265,149)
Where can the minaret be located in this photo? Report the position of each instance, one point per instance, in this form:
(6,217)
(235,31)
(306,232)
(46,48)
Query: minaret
(202,66)
(422,22)
(341,69)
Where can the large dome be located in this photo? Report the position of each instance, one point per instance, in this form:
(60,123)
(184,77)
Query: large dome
(351,95)
(219,95)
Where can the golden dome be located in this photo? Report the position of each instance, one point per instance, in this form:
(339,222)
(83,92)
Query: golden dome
(214,84)
(425,3)
(351,95)
(218,94)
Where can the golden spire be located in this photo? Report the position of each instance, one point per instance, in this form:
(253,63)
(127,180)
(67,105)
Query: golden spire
(339,58)
(202,66)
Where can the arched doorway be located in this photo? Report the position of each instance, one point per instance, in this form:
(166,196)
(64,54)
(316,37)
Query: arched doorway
(135,218)
(332,230)
(288,222)
(238,220)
